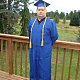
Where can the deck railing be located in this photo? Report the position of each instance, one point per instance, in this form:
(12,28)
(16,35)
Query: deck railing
(14,57)
(13,50)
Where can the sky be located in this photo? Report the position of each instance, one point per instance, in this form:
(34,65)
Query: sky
(60,5)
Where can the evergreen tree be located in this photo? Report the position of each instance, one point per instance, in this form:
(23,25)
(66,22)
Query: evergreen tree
(74,21)
(64,20)
(56,19)
(71,14)
(24,21)
(61,15)
(25,16)
(67,16)
(79,13)
(7,17)
(50,14)
(2,7)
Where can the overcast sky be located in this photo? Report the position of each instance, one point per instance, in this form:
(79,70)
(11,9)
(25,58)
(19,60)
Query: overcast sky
(60,5)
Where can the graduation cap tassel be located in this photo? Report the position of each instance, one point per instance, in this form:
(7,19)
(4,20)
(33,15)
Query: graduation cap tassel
(45,9)
(42,41)
(30,44)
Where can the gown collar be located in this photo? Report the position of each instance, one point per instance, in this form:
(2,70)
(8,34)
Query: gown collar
(41,20)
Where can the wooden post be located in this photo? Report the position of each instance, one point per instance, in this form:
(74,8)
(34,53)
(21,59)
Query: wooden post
(10,56)
(0,44)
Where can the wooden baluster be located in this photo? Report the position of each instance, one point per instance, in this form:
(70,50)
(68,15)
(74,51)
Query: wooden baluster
(56,66)
(15,44)
(2,59)
(20,59)
(63,63)
(71,55)
(77,68)
(7,57)
(0,54)
(10,56)
(26,61)
(0,44)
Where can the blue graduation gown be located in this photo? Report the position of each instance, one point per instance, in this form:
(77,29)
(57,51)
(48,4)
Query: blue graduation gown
(40,56)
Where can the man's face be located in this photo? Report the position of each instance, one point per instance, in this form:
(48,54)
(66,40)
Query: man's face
(40,11)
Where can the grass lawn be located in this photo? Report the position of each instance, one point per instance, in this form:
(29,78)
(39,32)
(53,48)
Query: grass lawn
(66,32)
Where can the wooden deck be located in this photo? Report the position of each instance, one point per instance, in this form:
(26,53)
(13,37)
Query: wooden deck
(14,59)
(7,76)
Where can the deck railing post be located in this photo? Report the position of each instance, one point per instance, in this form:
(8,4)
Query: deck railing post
(10,56)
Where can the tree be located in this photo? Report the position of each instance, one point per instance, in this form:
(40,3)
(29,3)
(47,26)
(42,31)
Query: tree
(67,16)
(79,13)
(2,6)
(71,14)
(64,20)
(11,13)
(24,21)
(75,21)
(50,14)
(56,19)
(56,13)
(25,16)
(61,15)
(7,17)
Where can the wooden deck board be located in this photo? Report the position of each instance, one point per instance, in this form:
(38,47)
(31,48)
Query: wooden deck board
(7,76)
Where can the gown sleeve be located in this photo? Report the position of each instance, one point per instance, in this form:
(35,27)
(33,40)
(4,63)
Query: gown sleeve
(54,32)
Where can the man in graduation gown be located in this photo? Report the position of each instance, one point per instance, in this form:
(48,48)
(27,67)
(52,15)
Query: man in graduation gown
(43,34)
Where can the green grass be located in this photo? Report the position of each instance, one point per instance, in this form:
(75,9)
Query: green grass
(66,32)
(67,35)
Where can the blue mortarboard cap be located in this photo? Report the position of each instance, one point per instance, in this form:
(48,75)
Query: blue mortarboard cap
(41,3)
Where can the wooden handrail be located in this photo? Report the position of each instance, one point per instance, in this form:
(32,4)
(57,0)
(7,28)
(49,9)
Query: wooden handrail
(61,44)
(67,44)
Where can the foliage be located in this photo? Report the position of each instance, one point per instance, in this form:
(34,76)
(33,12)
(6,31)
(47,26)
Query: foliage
(7,17)
(56,19)
(24,21)
(21,7)
(67,16)
(64,20)
(61,15)
(25,16)
(2,6)
(10,14)
(75,21)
